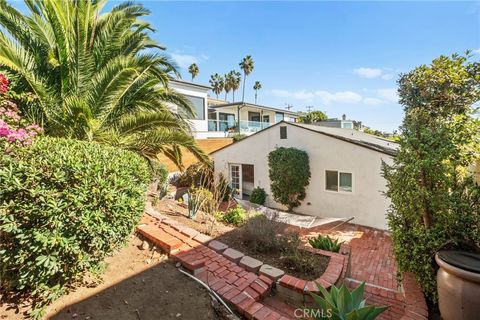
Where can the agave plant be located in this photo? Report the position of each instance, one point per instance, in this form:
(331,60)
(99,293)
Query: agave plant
(96,75)
(325,243)
(341,304)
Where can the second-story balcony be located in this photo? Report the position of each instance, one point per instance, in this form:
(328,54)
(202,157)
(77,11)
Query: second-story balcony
(246,127)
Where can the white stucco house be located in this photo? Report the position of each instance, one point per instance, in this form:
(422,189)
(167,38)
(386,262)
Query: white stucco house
(345,167)
(220,119)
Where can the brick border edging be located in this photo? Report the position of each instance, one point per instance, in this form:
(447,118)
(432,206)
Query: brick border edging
(416,306)
(297,290)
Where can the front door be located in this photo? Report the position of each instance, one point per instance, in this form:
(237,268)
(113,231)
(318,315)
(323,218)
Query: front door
(236,179)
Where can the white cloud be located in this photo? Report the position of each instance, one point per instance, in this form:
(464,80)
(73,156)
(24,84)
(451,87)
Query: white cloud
(338,97)
(387,76)
(304,95)
(184,60)
(378,97)
(325,97)
(368,73)
(373,73)
(389,94)
(373,101)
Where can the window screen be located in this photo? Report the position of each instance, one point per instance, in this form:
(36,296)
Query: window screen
(345,182)
(331,180)
(283,132)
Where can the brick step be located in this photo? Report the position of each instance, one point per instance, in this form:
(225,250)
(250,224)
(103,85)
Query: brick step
(281,307)
(160,238)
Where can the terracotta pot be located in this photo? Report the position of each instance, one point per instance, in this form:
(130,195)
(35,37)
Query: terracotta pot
(458,284)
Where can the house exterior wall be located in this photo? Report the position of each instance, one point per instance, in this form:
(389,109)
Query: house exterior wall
(244,113)
(366,203)
(197,126)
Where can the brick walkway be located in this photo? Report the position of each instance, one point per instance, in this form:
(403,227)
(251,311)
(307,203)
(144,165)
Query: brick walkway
(372,261)
(243,289)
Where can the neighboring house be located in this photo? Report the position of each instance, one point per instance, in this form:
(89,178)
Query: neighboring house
(345,166)
(341,123)
(218,119)
(253,118)
(198,96)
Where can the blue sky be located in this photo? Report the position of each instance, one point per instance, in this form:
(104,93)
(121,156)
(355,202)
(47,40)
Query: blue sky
(341,57)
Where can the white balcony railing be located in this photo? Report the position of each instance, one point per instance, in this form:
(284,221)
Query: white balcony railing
(246,127)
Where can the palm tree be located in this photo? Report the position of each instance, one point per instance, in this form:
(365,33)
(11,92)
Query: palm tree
(257,86)
(228,84)
(217,83)
(193,70)
(247,66)
(93,77)
(234,79)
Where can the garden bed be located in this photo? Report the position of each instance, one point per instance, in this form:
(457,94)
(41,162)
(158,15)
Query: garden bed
(317,262)
(234,238)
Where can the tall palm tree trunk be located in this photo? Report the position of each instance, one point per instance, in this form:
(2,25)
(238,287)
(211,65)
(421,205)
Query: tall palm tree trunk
(256,91)
(243,91)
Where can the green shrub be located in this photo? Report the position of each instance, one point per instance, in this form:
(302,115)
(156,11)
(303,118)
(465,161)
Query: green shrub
(236,216)
(325,243)
(238,136)
(258,196)
(64,206)
(289,172)
(341,304)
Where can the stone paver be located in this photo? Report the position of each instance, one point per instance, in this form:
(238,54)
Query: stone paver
(217,246)
(271,272)
(250,264)
(202,238)
(233,255)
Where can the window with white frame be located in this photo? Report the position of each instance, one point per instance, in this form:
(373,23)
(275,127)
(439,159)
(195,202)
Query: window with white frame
(338,181)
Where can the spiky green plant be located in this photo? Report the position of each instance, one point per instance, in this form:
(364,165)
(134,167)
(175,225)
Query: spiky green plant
(96,75)
(325,243)
(341,304)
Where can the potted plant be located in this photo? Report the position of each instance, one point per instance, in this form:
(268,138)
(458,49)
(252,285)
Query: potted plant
(458,284)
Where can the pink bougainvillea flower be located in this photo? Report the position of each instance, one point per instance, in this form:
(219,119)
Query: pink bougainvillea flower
(3,83)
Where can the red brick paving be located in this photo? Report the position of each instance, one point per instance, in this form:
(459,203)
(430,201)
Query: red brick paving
(372,261)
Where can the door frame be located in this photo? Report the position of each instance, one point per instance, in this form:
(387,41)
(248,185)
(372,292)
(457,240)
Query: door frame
(240,178)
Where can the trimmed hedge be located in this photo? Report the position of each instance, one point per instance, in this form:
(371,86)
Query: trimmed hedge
(64,206)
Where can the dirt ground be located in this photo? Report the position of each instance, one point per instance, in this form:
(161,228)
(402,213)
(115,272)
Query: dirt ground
(137,285)
(233,237)
(202,223)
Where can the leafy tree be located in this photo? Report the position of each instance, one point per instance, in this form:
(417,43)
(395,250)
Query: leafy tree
(96,75)
(193,70)
(217,82)
(435,202)
(289,172)
(257,86)
(312,117)
(246,65)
